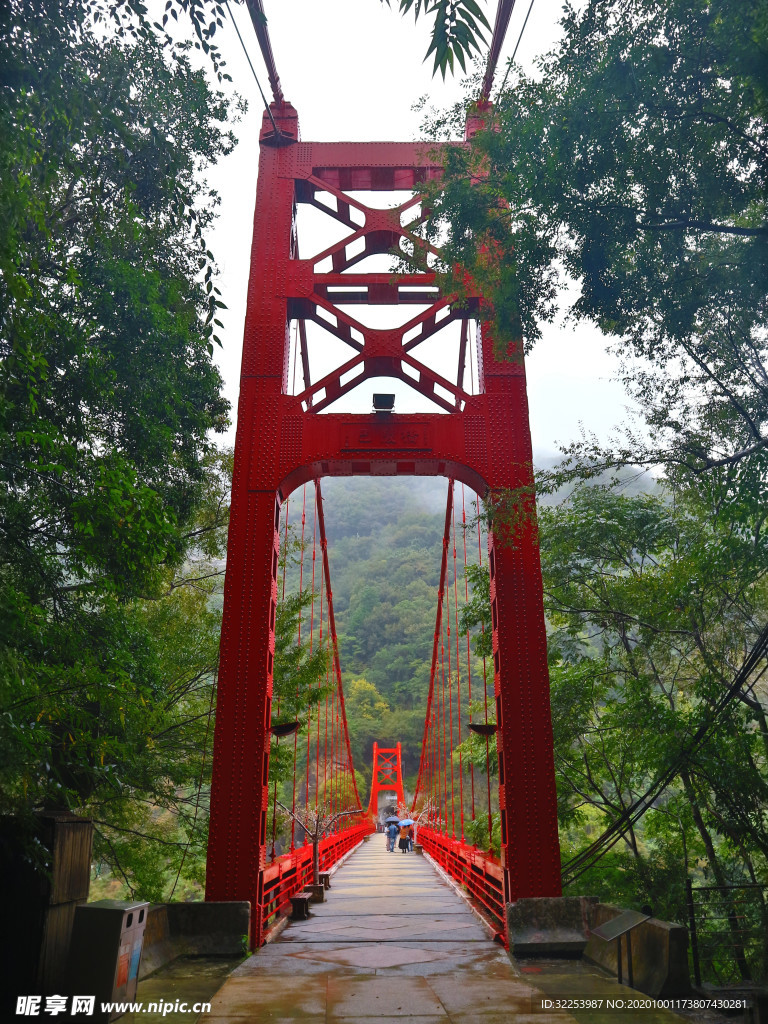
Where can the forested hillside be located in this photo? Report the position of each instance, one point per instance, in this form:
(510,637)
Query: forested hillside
(384,540)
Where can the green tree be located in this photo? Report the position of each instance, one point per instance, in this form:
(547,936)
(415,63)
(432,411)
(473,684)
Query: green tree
(634,162)
(363,701)
(111,504)
(108,390)
(653,601)
(123,732)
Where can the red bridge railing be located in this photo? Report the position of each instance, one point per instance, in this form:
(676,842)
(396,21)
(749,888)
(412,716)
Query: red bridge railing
(480,874)
(289,874)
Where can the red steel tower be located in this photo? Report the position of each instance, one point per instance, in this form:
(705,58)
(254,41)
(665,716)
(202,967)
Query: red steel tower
(478,434)
(387,776)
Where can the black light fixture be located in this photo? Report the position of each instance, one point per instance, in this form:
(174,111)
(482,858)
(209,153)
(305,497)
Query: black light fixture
(483,728)
(284,728)
(383,405)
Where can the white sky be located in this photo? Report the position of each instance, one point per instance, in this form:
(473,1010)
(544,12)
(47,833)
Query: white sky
(353,69)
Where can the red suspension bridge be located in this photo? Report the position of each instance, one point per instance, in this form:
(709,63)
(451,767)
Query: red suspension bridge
(477,436)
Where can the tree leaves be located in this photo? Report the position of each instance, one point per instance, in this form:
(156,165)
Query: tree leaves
(457,30)
(111,496)
(635,164)
(651,600)
(107,372)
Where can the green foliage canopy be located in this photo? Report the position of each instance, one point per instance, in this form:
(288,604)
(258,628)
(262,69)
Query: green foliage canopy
(634,163)
(112,497)
(652,603)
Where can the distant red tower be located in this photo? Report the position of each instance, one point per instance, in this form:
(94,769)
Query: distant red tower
(387,776)
(478,434)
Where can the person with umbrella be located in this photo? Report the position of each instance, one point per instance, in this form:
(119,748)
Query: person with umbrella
(404,829)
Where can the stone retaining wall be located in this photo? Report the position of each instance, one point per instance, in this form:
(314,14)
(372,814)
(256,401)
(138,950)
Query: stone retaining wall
(659,953)
(562,927)
(193,929)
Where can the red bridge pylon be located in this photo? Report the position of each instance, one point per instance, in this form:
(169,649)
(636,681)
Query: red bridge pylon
(476,432)
(387,776)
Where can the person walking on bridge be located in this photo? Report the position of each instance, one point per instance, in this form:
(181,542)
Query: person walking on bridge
(403,843)
(391,837)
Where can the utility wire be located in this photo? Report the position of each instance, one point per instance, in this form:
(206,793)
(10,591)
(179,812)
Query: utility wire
(199,786)
(576,867)
(514,52)
(250,65)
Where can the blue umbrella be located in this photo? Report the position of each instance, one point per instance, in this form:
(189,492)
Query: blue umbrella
(393,817)
(407,821)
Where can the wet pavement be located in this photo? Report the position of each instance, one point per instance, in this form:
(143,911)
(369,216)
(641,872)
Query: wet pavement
(394,941)
(188,980)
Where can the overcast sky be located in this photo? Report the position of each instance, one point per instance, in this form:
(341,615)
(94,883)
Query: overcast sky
(354,69)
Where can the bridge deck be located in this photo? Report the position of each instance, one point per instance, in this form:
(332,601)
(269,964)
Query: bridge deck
(391,941)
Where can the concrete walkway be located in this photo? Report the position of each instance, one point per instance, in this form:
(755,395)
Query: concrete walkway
(392,941)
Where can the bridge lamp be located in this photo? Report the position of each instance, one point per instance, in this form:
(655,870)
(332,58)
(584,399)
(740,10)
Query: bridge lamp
(280,729)
(383,404)
(483,728)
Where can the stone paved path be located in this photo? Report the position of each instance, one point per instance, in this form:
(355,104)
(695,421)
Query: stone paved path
(392,942)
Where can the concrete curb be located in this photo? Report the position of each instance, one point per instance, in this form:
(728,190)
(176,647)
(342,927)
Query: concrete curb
(493,933)
(274,932)
(332,871)
(280,925)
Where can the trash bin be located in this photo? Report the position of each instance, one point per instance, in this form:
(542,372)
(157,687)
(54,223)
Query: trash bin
(105,953)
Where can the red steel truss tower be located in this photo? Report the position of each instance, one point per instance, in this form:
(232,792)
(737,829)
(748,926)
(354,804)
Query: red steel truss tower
(387,776)
(478,434)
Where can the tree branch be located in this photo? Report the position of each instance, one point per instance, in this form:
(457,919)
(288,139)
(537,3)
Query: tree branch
(702,225)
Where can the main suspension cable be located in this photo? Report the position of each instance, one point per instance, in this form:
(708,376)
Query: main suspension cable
(503,14)
(430,774)
(344,732)
(253,71)
(259,19)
